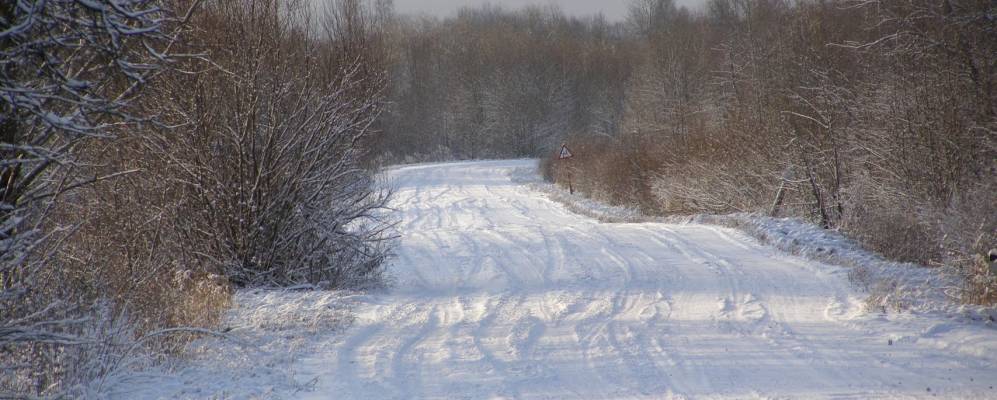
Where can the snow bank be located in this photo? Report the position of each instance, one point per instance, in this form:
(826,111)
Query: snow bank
(265,333)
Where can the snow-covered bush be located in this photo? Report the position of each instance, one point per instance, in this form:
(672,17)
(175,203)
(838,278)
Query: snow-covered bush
(69,70)
(270,162)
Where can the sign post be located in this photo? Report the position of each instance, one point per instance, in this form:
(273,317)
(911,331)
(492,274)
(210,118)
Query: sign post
(565,155)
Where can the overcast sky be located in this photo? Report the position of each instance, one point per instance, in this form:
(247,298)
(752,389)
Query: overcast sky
(614,10)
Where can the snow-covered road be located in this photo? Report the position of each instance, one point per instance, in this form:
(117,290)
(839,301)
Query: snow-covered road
(502,293)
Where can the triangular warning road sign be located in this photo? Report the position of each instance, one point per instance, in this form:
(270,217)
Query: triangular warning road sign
(565,153)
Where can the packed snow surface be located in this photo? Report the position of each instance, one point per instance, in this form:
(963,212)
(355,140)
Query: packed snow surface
(503,293)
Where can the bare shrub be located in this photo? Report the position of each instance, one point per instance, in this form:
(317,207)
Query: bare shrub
(69,71)
(270,164)
(981,278)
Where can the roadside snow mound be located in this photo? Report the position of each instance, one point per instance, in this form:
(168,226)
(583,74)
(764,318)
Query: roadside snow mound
(266,332)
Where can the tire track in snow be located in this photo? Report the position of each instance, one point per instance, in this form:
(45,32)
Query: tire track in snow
(347,357)
(405,377)
(630,344)
(515,297)
(749,316)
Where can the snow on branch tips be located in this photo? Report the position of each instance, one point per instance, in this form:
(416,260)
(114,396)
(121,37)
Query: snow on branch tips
(69,70)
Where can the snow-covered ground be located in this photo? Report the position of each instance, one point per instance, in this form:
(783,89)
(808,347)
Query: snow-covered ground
(502,293)
(890,285)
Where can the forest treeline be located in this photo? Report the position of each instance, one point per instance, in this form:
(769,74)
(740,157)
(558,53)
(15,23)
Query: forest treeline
(875,118)
(493,83)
